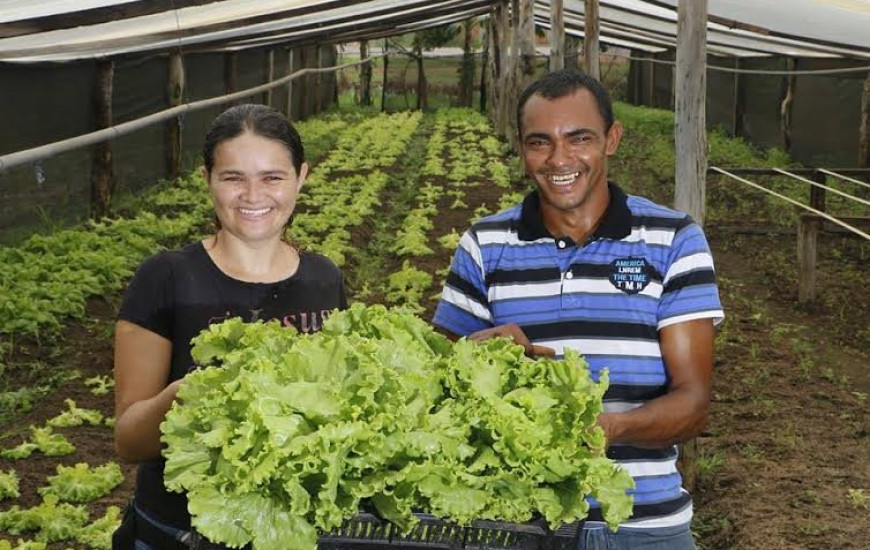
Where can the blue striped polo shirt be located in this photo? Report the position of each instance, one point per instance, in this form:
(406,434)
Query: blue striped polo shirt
(644,268)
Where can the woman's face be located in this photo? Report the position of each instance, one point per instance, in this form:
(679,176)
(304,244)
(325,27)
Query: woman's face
(254,187)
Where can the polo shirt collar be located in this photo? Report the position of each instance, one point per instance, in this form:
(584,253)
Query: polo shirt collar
(615,225)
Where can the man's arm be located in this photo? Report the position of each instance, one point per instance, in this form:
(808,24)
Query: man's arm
(680,414)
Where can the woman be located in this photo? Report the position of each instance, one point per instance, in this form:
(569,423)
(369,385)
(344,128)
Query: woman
(255,168)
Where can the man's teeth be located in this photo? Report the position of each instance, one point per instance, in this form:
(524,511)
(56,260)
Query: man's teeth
(250,212)
(563,179)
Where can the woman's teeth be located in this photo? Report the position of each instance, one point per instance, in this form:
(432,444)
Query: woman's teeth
(250,212)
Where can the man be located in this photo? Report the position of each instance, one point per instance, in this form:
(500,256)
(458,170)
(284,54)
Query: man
(628,283)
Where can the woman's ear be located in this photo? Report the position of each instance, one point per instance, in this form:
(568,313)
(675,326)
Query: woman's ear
(205,174)
(300,178)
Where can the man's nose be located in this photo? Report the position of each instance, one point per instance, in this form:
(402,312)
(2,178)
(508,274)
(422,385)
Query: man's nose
(560,155)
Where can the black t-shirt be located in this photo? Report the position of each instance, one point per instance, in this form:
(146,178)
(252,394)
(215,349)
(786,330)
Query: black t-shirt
(179,293)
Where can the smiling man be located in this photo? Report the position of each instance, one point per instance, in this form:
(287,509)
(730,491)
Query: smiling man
(626,282)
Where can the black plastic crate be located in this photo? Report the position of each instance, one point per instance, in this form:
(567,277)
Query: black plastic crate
(369,532)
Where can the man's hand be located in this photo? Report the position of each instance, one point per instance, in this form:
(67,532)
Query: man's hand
(515,333)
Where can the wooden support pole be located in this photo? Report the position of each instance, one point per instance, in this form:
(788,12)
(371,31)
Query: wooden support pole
(318,82)
(572,52)
(501,39)
(175,93)
(526,41)
(864,131)
(785,108)
(650,81)
(101,166)
(270,76)
(422,86)
(484,68)
(818,194)
(231,62)
(365,75)
(386,81)
(557,36)
(739,100)
(592,60)
(303,90)
(288,112)
(807,244)
(690,116)
(466,72)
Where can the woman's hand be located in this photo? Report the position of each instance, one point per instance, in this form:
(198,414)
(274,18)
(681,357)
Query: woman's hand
(515,333)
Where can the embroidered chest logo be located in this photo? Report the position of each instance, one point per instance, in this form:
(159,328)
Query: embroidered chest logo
(630,275)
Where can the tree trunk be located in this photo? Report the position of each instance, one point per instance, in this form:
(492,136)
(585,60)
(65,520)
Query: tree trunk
(484,67)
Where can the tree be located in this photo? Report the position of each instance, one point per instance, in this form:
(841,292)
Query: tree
(426,40)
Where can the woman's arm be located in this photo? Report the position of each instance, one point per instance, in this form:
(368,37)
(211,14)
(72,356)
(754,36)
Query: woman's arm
(142,397)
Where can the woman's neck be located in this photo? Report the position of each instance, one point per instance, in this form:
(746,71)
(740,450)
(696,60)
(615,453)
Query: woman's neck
(263,262)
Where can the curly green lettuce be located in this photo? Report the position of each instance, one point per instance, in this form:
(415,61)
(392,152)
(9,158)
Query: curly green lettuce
(288,434)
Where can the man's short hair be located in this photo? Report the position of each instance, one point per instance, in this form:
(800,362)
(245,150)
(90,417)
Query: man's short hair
(565,82)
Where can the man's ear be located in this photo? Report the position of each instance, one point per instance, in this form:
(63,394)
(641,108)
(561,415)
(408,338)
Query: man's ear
(205,174)
(614,136)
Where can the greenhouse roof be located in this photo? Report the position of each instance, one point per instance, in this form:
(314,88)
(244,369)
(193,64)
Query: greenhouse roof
(66,30)
(738,28)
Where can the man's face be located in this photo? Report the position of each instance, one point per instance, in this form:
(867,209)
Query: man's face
(565,147)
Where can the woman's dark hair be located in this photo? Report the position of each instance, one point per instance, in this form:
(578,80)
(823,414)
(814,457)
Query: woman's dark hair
(259,120)
(565,82)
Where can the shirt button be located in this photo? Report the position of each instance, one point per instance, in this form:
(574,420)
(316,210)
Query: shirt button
(562,244)
(569,275)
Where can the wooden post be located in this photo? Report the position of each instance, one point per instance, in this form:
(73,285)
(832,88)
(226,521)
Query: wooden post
(230,66)
(864,131)
(572,52)
(422,86)
(592,62)
(807,240)
(175,91)
(785,108)
(526,41)
(270,76)
(650,81)
(484,67)
(557,36)
(690,116)
(817,194)
(466,73)
(318,82)
(365,75)
(289,110)
(304,88)
(384,87)
(499,41)
(739,96)
(101,164)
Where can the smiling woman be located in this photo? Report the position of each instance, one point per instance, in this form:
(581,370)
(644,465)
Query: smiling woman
(255,168)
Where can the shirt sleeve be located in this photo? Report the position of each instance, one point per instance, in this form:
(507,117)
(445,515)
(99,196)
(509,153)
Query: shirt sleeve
(148,300)
(690,291)
(464,305)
